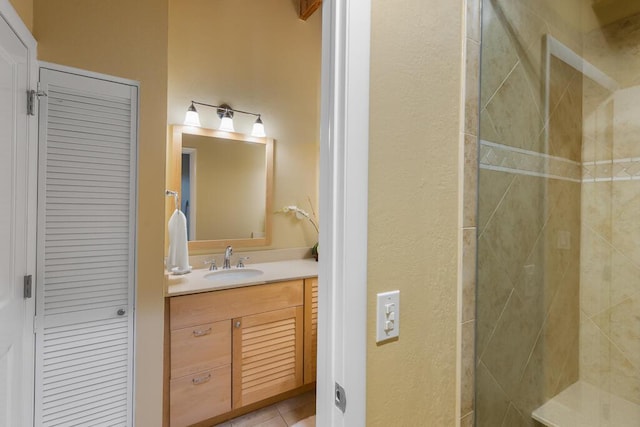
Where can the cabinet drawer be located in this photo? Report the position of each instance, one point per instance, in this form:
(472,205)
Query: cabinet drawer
(200,348)
(207,307)
(200,396)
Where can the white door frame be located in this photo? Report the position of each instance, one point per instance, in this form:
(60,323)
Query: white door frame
(344,147)
(9,14)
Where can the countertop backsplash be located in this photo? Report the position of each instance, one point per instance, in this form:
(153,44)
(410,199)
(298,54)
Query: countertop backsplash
(255,257)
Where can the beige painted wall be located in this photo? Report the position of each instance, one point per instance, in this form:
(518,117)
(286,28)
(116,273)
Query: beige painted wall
(127,39)
(256,56)
(25,11)
(413,200)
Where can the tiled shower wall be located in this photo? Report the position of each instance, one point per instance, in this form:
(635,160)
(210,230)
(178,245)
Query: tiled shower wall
(528,219)
(610,274)
(560,214)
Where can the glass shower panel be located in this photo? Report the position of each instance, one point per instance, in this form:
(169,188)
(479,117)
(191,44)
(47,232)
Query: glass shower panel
(558,291)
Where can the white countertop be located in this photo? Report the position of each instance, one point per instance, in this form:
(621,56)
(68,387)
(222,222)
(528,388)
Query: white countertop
(278,271)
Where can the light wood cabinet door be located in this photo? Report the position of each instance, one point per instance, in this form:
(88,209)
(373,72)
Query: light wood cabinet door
(200,348)
(310,329)
(267,354)
(200,396)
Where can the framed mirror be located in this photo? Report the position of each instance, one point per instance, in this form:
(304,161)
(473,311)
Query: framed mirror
(224,181)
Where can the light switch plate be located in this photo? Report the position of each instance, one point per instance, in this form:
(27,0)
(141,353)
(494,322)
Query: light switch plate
(388,315)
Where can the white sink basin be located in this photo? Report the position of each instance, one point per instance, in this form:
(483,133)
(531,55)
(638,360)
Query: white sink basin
(233,275)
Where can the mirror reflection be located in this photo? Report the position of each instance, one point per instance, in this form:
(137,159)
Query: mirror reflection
(224,179)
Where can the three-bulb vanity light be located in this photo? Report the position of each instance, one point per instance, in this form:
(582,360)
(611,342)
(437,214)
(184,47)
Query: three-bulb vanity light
(225,113)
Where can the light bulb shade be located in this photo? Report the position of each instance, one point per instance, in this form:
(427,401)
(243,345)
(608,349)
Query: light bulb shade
(258,128)
(192,118)
(226,124)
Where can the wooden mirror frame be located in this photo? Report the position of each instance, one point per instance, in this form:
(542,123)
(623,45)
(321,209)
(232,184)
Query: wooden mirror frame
(174,171)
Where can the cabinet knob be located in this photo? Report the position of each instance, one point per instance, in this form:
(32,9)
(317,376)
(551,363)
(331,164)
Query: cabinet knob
(121,312)
(201,380)
(201,332)
(238,324)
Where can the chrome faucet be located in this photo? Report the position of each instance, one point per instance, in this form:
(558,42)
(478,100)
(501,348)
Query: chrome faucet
(227,258)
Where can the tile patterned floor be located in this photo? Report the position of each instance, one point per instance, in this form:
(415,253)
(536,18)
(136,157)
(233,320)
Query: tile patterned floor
(298,411)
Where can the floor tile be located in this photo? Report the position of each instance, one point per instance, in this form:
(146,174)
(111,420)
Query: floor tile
(253,419)
(300,413)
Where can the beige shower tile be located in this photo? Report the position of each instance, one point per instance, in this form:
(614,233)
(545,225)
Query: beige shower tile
(561,333)
(513,111)
(517,223)
(603,364)
(492,403)
(597,207)
(532,388)
(494,288)
(487,129)
(467,368)
(470,185)
(469,268)
(625,278)
(622,325)
(526,31)
(595,274)
(562,231)
(513,341)
(625,123)
(472,87)
(473,19)
(498,55)
(493,186)
(595,355)
(467,420)
(561,75)
(513,418)
(625,225)
(565,124)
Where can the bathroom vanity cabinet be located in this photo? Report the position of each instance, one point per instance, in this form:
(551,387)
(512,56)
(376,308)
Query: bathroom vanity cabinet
(235,347)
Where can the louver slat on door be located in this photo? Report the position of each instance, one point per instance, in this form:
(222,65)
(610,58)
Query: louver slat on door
(86,251)
(267,355)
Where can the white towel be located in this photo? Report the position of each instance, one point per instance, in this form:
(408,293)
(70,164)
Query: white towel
(178,249)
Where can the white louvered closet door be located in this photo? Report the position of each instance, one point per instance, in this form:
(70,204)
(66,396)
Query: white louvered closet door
(86,250)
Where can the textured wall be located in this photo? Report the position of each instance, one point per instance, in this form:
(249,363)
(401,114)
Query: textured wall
(416,65)
(25,10)
(259,57)
(127,39)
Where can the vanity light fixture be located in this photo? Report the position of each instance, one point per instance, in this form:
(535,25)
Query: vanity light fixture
(192,118)
(225,112)
(258,128)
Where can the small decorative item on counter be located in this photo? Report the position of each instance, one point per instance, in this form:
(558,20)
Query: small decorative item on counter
(302,214)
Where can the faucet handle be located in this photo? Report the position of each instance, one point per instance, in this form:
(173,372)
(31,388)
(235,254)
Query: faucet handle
(241,261)
(212,264)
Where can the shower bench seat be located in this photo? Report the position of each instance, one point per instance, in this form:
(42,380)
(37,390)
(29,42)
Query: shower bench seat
(582,404)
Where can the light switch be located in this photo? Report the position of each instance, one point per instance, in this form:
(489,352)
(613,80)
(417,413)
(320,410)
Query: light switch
(388,315)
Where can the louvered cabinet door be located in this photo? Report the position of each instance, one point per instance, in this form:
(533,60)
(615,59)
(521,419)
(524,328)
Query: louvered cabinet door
(86,250)
(310,329)
(267,354)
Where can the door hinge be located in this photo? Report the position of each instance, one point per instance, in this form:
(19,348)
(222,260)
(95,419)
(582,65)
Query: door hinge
(27,286)
(31,99)
(341,398)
